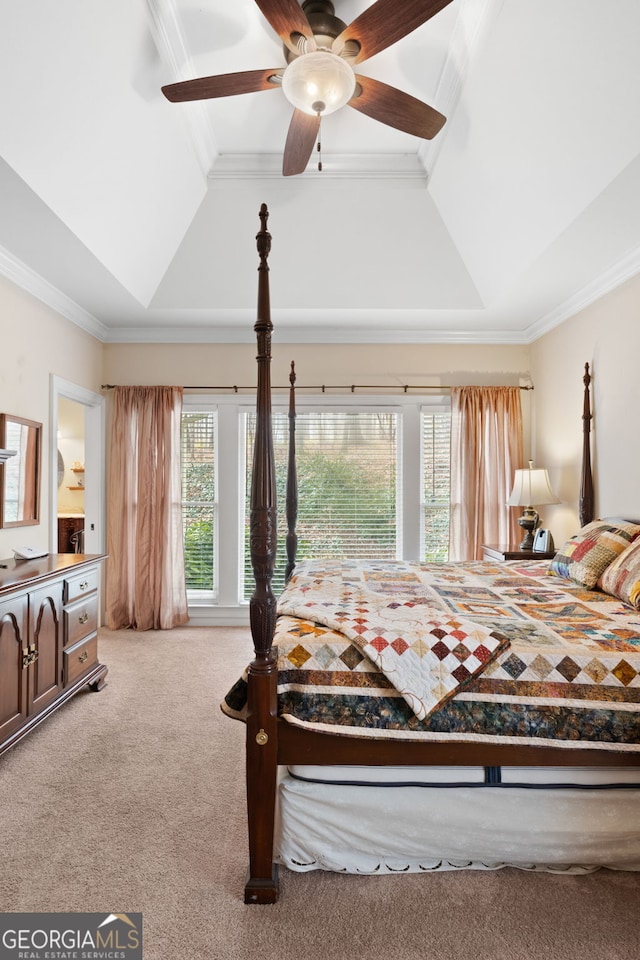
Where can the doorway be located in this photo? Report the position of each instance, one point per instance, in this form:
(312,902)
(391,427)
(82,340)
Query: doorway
(76,462)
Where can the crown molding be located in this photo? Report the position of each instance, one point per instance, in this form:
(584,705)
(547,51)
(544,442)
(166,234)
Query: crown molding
(394,334)
(628,266)
(309,326)
(27,279)
(249,166)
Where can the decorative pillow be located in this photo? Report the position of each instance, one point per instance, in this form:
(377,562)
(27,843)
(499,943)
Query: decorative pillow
(622,577)
(586,556)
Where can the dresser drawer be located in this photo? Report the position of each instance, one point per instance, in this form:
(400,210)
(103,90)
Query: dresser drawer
(80,619)
(80,658)
(80,584)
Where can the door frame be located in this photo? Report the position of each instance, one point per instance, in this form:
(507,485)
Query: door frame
(94,450)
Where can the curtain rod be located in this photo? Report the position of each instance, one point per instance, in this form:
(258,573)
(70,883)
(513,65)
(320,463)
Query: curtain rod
(324,387)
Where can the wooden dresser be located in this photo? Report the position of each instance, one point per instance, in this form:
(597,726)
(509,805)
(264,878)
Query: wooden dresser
(48,638)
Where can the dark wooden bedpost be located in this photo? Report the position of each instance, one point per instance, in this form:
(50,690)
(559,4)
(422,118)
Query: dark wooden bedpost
(585,507)
(292,480)
(262,882)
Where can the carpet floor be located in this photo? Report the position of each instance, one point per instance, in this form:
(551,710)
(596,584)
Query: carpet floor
(132,799)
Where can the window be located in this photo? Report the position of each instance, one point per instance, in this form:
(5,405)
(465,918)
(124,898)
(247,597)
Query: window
(434,504)
(373,477)
(199,500)
(347,465)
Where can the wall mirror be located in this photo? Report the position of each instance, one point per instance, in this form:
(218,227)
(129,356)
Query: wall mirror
(20,474)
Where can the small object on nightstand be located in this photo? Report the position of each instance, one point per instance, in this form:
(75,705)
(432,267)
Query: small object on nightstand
(542,541)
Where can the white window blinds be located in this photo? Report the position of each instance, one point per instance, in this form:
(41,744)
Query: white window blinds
(436,464)
(199,499)
(347,465)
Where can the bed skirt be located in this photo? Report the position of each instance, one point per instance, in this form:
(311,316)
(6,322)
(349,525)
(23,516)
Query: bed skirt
(368,828)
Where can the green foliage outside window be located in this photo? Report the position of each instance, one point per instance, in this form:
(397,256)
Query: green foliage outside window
(346,465)
(199,499)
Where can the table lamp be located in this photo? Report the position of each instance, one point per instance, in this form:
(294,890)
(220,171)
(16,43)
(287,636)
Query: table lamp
(530,486)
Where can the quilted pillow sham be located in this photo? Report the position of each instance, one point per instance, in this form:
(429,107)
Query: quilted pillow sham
(585,556)
(621,579)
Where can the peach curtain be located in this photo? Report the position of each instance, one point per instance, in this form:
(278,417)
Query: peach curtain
(145,586)
(486,449)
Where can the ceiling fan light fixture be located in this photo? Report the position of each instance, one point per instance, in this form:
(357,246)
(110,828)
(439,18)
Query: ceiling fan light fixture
(318,83)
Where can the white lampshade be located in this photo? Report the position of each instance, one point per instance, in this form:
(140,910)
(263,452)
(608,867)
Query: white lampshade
(318,82)
(531,487)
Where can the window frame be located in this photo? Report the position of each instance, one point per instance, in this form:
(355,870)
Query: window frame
(228,607)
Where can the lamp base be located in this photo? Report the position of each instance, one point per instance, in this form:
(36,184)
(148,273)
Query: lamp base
(528,521)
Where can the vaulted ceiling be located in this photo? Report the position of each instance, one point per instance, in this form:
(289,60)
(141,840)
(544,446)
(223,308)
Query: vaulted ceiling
(136,217)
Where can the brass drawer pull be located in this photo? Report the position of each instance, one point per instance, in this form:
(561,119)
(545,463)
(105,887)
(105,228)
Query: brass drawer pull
(29,655)
(83,656)
(83,617)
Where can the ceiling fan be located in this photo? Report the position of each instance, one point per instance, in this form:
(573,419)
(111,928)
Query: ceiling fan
(321,52)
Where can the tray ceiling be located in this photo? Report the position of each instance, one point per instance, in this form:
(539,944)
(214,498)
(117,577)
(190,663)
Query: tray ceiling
(136,217)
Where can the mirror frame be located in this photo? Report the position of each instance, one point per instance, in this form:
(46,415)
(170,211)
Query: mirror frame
(34,513)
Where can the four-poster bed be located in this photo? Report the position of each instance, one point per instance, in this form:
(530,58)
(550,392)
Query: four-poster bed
(342,712)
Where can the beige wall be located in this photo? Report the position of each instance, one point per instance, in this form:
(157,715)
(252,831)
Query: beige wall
(607,336)
(36,343)
(228,364)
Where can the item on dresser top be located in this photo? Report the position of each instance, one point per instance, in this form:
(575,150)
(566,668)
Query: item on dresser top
(29,553)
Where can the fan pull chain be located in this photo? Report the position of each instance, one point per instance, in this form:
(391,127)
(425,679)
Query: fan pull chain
(319,146)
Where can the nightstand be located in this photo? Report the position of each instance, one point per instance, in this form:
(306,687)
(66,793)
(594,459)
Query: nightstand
(503,552)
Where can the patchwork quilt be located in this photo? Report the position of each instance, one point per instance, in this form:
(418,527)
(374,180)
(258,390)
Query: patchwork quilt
(426,653)
(481,651)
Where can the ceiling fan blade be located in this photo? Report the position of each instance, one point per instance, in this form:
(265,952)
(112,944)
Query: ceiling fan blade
(301,138)
(395,108)
(223,85)
(385,22)
(288,19)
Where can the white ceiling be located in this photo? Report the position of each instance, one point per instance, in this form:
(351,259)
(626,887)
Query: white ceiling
(136,218)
